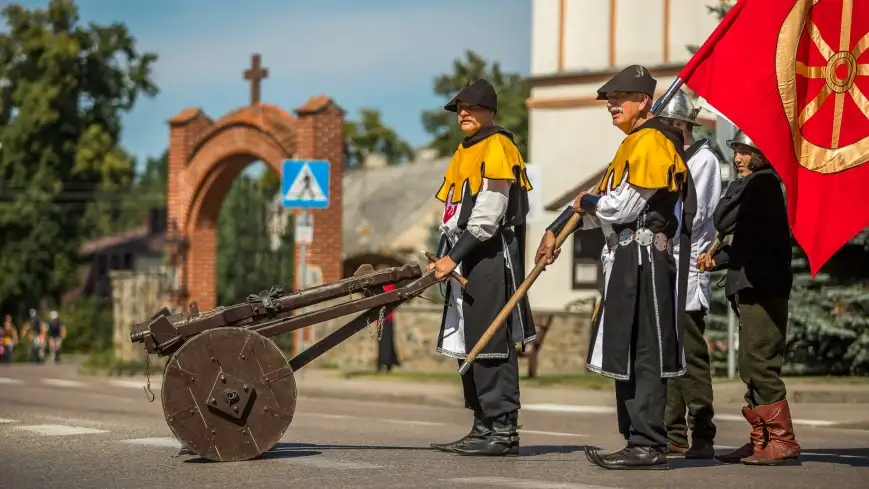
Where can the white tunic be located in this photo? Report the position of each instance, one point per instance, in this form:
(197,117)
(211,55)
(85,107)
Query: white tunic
(487,214)
(705,169)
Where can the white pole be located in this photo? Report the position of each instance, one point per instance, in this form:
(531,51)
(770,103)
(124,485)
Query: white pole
(303,274)
(731,343)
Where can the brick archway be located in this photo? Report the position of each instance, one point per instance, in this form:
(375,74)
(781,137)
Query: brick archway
(206,156)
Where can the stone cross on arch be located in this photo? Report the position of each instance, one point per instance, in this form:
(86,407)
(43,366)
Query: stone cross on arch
(255,75)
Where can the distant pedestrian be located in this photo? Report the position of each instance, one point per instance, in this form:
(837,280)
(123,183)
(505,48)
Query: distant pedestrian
(34,332)
(56,333)
(387,357)
(8,339)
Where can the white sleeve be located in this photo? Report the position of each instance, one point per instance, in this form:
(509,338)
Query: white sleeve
(706,172)
(489,209)
(623,204)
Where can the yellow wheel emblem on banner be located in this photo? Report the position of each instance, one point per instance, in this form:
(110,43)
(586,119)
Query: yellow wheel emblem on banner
(822,68)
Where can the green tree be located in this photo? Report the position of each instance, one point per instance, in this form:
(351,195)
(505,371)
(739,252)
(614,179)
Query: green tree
(64,89)
(246,262)
(512,91)
(369,135)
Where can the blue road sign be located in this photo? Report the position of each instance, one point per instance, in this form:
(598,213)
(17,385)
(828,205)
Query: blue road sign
(305,184)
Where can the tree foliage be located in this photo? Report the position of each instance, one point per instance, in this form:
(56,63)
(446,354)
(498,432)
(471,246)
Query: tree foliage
(369,135)
(63,89)
(512,91)
(246,262)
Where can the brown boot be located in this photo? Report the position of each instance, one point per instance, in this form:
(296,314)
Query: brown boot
(758,439)
(782,443)
(700,449)
(674,450)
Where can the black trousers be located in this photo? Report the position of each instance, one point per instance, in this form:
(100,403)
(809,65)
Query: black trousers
(693,390)
(642,400)
(491,386)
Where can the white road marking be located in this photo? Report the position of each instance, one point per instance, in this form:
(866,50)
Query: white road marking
(134,384)
(62,383)
(522,483)
(796,421)
(8,381)
(324,463)
(7,421)
(165,442)
(550,433)
(60,430)
(330,416)
(568,408)
(421,423)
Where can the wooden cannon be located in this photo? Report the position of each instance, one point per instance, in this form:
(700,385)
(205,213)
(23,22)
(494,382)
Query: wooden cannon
(228,391)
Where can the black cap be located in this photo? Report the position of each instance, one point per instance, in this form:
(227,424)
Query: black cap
(481,93)
(634,78)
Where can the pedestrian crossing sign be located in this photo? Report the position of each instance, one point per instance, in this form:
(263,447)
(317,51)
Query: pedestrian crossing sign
(305,184)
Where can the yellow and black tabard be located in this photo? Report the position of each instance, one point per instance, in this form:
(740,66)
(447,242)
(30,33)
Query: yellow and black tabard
(494,266)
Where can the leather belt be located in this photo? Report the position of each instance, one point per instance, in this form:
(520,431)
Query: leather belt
(643,237)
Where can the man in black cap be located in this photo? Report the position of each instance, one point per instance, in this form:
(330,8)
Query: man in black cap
(645,202)
(485,196)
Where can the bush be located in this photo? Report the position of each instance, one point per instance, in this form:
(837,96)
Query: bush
(89,327)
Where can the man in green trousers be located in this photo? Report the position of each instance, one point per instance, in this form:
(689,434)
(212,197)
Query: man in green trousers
(759,280)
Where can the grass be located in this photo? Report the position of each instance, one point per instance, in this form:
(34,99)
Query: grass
(104,363)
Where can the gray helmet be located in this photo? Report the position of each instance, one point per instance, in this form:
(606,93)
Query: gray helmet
(681,108)
(742,138)
(758,160)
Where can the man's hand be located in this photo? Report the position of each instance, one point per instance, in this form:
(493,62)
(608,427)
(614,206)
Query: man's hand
(578,199)
(443,267)
(547,249)
(705,262)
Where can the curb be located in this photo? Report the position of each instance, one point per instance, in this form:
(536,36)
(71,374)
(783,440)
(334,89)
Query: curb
(830,397)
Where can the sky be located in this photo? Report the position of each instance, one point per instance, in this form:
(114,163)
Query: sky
(381,54)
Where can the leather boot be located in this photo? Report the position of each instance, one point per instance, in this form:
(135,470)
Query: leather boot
(782,443)
(757,441)
(700,449)
(501,440)
(634,457)
(478,431)
(674,450)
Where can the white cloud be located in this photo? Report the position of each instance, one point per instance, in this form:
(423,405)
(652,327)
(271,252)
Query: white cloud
(415,39)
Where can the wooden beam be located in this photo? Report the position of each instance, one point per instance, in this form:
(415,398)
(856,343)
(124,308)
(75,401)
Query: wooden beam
(613,26)
(666,47)
(561,25)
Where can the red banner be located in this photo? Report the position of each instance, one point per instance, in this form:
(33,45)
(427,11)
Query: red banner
(794,76)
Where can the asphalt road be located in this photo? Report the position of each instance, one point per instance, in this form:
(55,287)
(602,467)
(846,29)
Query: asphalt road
(60,430)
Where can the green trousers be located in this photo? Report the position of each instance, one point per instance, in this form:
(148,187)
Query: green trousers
(693,390)
(763,323)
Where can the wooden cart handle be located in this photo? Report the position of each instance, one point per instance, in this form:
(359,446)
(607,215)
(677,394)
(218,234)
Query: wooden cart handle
(455,275)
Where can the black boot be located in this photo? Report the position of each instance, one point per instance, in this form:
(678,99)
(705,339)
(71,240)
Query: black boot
(634,457)
(501,440)
(478,431)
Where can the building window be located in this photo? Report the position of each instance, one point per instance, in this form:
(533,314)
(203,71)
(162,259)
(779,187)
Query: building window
(587,270)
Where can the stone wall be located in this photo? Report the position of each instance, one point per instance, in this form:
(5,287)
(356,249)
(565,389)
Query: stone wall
(416,331)
(136,297)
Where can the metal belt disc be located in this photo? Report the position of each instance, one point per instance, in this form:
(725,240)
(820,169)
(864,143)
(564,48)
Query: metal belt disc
(219,399)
